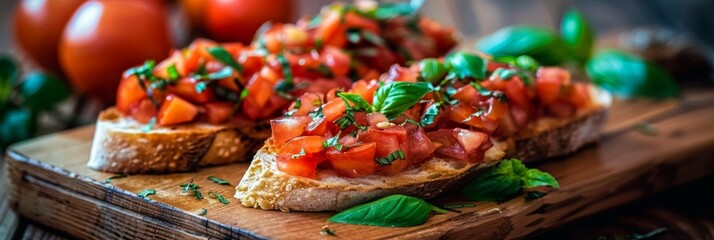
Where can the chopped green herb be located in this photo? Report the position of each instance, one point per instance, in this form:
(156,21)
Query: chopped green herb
(149,125)
(146,192)
(647,128)
(285,65)
(635,236)
(535,195)
(430,114)
(219,197)
(109,179)
(478,113)
(197,193)
(219,181)
(203,212)
(333,142)
(459,205)
(300,154)
(201,86)
(296,107)
(225,57)
(327,231)
(173,73)
(385,161)
(359,103)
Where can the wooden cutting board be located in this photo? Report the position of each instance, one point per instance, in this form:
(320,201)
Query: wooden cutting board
(50,184)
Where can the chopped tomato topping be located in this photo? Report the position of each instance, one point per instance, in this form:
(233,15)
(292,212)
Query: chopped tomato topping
(287,128)
(218,112)
(300,156)
(186,88)
(176,110)
(355,162)
(130,93)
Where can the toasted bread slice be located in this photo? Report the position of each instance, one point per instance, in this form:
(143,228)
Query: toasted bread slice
(121,146)
(264,186)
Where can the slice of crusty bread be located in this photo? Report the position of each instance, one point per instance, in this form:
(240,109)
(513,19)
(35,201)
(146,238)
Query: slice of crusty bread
(264,186)
(121,146)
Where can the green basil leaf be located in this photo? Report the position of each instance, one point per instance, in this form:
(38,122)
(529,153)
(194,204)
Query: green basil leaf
(527,63)
(390,211)
(429,114)
(146,192)
(391,10)
(627,76)
(219,197)
(432,70)
(225,57)
(16,124)
(219,180)
(464,64)
(9,74)
(173,73)
(536,178)
(396,97)
(577,34)
(285,65)
(42,91)
(493,185)
(536,42)
(359,103)
(109,179)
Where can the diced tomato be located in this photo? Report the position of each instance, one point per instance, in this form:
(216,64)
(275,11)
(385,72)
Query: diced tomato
(308,102)
(469,140)
(492,66)
(332,94)
(401,74)
(129,93)
(218,112)
(347,140)
(549,81)
(561,109)
(176,110)
(186,88)
(516,93)
(365,89)
(144,111)
(333,109)
(322,85)
(330,27)
(355,162)
(337,60)
(448,144)
(260,90)
(252,63)
(317,127)
(374,118)
(520,116)
(353,20)
(197,51)
(579,95)
(231,83)
(466,94)
(388,141)
(300,156)
(177,60)
(287,128)
(420,146)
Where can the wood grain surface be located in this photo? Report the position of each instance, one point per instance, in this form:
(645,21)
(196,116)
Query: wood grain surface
(51,185)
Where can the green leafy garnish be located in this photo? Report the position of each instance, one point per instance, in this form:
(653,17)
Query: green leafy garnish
(432,70)
(193,187)
(327,231)
(527,63)
(300,154)
(391,211)
(42,91)
(385,161)
(203,212)
(109,179)
(296,107)
(577,35)
(359,103)
(219,197)
(146,192)
(394,98)
(391,10)
(149,125)
(173,73)
(201,86)
(627,75)
(285,65)
(536,42)
(429,114)
(223,56)
(17,124)
(218,180)
(463,65)
(505,180)
(9,75)
(333,142)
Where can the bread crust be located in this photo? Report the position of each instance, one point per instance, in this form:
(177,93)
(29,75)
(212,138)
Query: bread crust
(120,145)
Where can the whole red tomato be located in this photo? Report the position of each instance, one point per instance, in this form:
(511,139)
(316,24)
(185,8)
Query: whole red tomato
(38,26)
(106,37)
(238,20)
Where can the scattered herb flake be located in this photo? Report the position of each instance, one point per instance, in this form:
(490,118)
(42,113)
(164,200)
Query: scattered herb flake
(173,73)
(146,192)
(201,86)
(149,125)
(219,197)
(219,181)
(225,57)
(327,231)
(300,154)
(203,212)
(459,205)
(647,128)
(197,193)
(109,179)
(385,161)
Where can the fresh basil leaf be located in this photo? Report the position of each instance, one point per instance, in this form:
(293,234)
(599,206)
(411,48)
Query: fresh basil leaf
(225,57)
(429,114)
(577,34)
(359,103)
(41,91)
(146,193)
(219,197)
(390,211)
(537,178)
(391,10)
(173,73)
(109,179)
(463,64)
(16,124)
(628,76)
(396,97)
(432,70)
(219,180)
(527,63)
(9,74)
(493,185)
(536,42)
(505,74)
